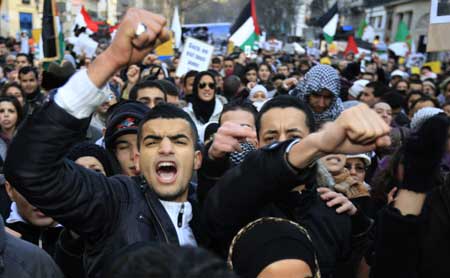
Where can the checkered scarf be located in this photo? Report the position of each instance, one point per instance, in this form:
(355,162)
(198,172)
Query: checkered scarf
(318,78)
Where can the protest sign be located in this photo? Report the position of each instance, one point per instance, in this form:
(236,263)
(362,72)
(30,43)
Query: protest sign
(196,56)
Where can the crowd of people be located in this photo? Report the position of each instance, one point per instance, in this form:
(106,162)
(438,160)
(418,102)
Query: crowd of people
(281,165)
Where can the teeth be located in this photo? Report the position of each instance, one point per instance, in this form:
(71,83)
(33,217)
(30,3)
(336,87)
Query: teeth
(166,164)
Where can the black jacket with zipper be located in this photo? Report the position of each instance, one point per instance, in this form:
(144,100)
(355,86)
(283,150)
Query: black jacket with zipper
(109,213)
(43,237)
(262,186)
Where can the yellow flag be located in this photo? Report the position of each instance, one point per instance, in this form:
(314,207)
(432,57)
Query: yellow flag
(165,49)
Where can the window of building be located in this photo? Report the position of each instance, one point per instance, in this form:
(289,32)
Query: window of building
(26,1)
(26,22)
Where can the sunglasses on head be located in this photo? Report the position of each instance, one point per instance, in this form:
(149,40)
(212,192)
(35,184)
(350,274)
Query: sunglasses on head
(210,85)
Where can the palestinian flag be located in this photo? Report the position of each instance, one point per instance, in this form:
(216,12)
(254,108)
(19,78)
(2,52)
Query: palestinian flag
(361,29)
(52,36)
(329,23)
(245,30)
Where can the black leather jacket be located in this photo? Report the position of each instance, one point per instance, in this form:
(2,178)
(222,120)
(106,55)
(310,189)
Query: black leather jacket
(109,213)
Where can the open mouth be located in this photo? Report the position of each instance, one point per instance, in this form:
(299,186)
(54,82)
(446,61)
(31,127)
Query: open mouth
(333,159)
(166,172)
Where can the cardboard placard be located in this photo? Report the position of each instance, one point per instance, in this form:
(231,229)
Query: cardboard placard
(196,56)
(439,28)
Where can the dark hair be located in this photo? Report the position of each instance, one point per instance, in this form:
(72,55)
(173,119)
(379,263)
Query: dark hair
(402,81)
(286,101)
(13,85)
(28,69)
(413,81)
(169,87)
(236,105)
(394,99)
(228,58)
(379,88)
(216,60)
(162,261)
(8,68)
(278,76)
(426,67)
(423,99)
(189,74)
(146,84)
(412,93)
(26,56)
(265,64)
(168,111)
(17,105)
(231,85)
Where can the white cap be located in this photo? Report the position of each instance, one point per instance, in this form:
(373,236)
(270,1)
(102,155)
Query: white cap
(399,73)
(357,88)
(364,156)
(258,88)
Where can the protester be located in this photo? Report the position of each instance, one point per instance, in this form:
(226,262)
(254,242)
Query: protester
(188,85)
(372,93)
(149,92)
(205,106)
(320,89)
(29,81)
(13,89)
(121,134)
(251,191)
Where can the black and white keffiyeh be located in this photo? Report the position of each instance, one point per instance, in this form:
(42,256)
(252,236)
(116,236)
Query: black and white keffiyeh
(318,78)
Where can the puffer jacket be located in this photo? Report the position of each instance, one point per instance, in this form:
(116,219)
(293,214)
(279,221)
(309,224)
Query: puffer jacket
(109,213)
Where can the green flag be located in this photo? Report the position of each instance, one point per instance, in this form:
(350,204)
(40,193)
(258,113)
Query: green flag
(402,34)
(361,28)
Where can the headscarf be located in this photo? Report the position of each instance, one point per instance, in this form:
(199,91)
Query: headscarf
(202,109)
(321,77)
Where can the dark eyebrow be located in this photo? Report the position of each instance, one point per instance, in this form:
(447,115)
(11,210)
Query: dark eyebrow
(293,130)
(122,142)
(271,131)
(178,136)
(172,138)
(154,137)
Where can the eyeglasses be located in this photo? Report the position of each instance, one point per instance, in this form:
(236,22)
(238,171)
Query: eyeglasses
(210,85)
(358,168)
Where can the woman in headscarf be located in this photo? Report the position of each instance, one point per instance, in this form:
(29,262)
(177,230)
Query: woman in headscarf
(320,90)
(205,106)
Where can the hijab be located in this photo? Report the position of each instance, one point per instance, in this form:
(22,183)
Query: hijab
(203,110)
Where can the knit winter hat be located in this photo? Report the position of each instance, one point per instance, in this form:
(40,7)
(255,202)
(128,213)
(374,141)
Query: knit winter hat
(90,149)
(124,119)
(423,115)
(268,240)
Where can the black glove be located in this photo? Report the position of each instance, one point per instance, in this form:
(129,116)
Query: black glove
(423,152)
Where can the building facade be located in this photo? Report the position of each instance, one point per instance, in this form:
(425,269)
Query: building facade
(19,15)
(385,17)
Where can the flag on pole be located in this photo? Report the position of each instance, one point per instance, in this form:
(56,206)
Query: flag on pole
(52,36)
(351,46)
(402,34)
(329,23)
(245,30)
(83,19)
(176,28)
(361,28)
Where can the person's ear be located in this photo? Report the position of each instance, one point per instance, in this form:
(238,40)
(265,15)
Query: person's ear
(198,158)
(9,190)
